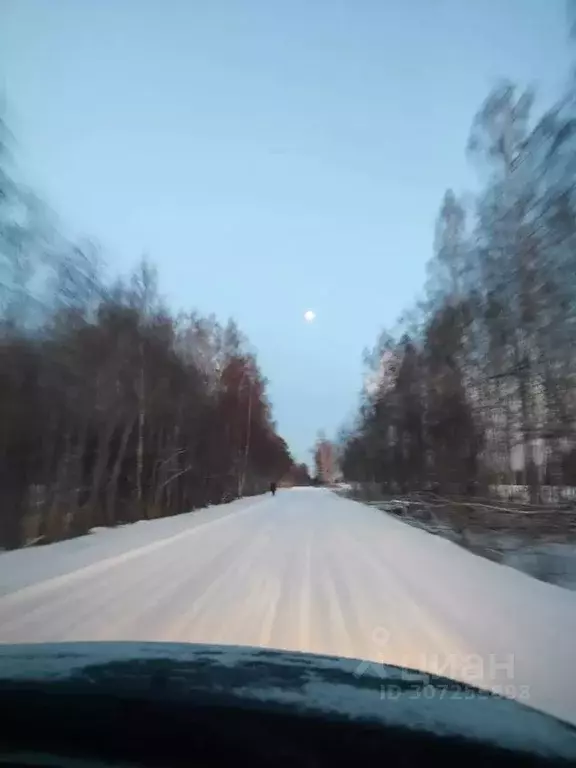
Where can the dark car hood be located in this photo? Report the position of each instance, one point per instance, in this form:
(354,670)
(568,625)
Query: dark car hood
(299,682)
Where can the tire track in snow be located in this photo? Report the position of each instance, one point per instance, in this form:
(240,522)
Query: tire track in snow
(271,596)
(210,614)
(341,640)
(404,625)
(305,602)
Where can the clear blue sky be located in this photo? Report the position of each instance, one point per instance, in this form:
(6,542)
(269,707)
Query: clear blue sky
(269,156)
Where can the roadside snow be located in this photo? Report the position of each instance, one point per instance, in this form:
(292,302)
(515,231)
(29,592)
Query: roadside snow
(306,571)
(23,567)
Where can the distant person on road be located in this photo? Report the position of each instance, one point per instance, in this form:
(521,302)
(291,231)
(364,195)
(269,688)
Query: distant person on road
(273,489)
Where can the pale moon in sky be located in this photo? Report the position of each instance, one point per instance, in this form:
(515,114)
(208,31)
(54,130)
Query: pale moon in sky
(309,316)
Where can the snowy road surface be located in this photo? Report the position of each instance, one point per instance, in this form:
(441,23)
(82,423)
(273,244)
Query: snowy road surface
(307,571)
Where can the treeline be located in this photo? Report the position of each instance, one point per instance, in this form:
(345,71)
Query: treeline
(112,409)
(478,387)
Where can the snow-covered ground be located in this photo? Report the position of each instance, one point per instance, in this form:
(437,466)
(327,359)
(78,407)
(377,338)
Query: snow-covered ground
(306,570)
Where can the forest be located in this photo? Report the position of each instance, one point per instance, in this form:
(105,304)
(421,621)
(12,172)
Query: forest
(476,386)
(113,408)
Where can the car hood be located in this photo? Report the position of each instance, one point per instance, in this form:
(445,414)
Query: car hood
(330,687)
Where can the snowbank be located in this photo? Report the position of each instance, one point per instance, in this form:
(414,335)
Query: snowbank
(24,567)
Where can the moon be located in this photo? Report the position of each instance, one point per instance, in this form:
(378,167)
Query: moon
(309,315)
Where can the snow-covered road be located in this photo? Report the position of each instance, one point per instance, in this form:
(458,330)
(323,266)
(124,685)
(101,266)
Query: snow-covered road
(308,571)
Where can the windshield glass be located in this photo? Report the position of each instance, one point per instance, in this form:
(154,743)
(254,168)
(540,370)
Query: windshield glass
(287,321)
